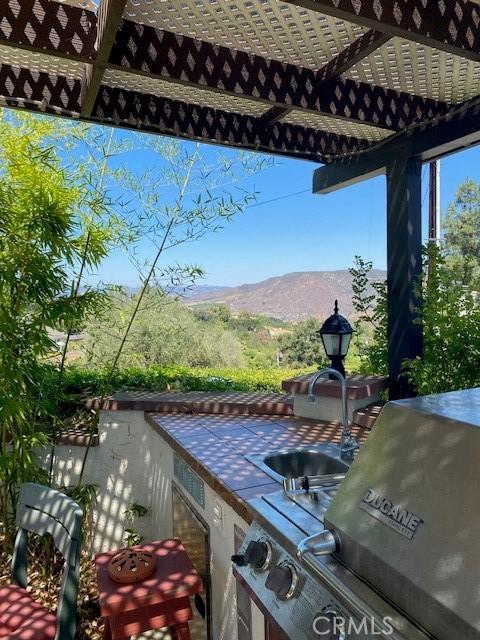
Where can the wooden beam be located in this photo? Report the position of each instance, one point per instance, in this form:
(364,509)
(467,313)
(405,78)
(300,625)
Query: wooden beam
(346,172)
(170,117)
(274,115)
(36,91)
(110,15)
(44,26)
(460,130)
(449,25)
(361,48)
(155,53)
(32,91)
(404,266)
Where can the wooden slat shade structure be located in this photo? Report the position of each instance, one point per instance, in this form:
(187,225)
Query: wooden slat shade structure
(307,78)
(362,87)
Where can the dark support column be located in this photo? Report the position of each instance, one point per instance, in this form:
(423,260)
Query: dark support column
(404,263)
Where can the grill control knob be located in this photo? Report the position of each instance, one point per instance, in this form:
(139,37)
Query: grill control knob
(258,554)
(239,559)
(331,624)
(282,580)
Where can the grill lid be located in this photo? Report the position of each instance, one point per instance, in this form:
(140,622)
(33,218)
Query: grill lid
(408,513)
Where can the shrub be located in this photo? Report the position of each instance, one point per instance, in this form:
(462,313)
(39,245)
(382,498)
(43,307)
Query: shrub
(370,303)
(80,382)
(303,346)
(450,314)
(44,216)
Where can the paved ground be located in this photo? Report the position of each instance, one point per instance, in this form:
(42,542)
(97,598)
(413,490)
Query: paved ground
(197,630)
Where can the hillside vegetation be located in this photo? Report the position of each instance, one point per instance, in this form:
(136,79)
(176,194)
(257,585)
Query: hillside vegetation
(167,333)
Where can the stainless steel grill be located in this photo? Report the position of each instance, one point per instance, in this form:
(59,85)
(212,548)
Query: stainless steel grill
(392,550)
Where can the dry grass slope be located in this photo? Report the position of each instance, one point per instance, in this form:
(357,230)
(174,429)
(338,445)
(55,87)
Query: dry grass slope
(294,296)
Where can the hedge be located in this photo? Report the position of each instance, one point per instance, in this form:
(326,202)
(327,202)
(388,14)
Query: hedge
(89,382)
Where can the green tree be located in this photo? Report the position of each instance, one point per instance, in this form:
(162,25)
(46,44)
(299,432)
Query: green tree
(302,347)
(258,335)
(450,315)
(462,234)
(219,313)
(370,303)
(179,199)
(166,332)
(44,216)
(195,202)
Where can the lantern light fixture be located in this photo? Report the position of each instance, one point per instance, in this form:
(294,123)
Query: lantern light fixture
(336,333)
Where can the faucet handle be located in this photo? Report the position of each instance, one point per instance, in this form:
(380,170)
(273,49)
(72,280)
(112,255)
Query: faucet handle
(348,446)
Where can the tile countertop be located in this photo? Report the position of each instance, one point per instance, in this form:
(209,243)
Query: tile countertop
(358,387)
(215,446)
(222,402)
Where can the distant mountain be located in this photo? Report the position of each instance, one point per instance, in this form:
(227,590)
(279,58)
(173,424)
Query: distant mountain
(203,290)
(196,289)
(294,296)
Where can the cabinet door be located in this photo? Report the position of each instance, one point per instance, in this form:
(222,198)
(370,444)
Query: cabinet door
(194,534)
(272,632)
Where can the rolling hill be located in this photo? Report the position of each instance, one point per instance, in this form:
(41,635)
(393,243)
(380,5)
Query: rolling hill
(293,296)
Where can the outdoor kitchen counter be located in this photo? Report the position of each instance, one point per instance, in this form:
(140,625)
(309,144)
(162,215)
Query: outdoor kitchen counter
(215,447)
(219,402)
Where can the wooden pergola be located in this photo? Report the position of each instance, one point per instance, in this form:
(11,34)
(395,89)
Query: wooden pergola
(361,87)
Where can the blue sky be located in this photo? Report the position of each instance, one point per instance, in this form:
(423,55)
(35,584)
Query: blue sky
(301,232)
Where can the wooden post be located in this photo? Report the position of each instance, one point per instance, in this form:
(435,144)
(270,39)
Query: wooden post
(434,202)
(404,264)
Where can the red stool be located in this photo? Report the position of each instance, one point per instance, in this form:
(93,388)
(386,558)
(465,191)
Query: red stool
(162,600)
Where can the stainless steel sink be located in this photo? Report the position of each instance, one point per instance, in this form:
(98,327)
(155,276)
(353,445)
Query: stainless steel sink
(322,460)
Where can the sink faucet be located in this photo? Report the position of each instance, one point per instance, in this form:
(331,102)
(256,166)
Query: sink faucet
(348,444)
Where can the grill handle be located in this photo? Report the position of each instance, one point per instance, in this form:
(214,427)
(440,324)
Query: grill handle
(312,482)
(325,543)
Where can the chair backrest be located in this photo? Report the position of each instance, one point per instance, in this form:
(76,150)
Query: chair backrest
(44,510)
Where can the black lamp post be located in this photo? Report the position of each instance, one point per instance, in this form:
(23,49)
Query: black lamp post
(336,333)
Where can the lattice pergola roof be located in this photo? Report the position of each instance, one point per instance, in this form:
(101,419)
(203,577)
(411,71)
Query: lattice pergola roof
(315,79)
